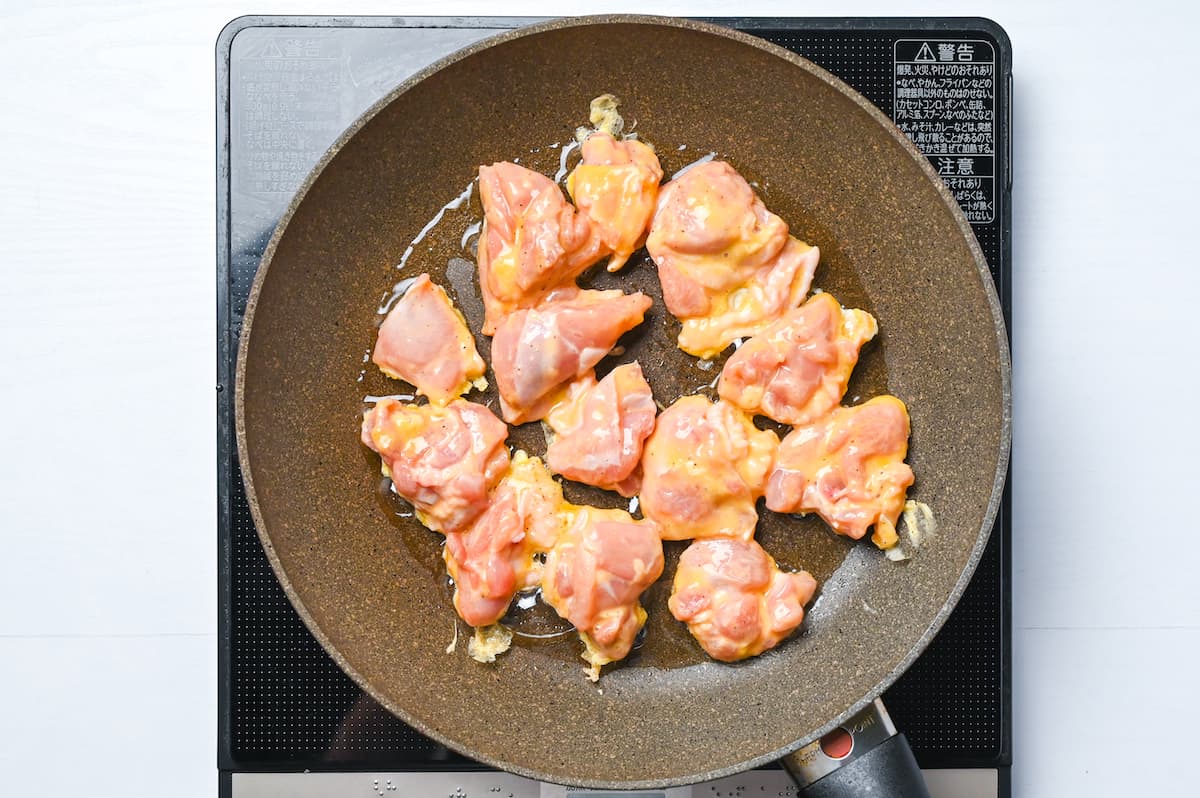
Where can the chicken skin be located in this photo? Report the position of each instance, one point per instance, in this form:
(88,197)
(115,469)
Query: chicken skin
(495,557)
(600,428)
(533,240)
(735,600)
(796,370)
(616,187)
(594,576)
(727,265)
(703,468)
(537,351)
(424,341)
(444,460)
(848,468)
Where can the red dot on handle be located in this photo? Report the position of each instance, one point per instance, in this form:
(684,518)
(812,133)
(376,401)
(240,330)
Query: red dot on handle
(837,744)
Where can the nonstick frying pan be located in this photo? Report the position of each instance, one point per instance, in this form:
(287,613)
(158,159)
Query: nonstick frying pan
(367,578)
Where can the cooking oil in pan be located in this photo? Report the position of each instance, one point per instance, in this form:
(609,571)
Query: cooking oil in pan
(446,249)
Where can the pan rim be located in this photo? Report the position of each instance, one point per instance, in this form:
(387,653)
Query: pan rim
(1003,352)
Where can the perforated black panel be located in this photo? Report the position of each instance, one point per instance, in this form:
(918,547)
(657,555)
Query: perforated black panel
(284,702)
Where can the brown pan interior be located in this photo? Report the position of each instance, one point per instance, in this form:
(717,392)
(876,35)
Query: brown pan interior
(369,581)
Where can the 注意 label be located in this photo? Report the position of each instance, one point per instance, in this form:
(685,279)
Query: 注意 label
(945,101)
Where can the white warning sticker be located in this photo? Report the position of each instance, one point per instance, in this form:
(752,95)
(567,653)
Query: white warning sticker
(944,99)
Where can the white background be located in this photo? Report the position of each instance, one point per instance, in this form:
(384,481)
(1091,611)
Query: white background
(107,451)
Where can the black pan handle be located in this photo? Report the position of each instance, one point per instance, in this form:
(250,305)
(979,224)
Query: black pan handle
(864,757)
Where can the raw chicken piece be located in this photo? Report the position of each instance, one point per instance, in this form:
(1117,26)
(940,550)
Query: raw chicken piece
(796,370)
(495,557)
(848,468)
(703,468)
(444,460)
(533,240)
(616,185)
(602,563)
(727,265)
(425,341)
(600,428)
(538,350)
(735,600)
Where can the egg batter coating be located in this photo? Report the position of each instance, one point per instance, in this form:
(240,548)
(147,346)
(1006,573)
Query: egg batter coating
(796,370)
(424,341)
(496,556)
(533,241)
(600,428)
(703,468)
(848,468)
(727,265)
(594,576)
(537,351)
(616,187)
(442,459)
(735,600)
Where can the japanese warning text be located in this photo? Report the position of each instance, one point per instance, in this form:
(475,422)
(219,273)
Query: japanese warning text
(945,101)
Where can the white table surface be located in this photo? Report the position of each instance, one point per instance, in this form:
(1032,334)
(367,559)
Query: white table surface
(107,478)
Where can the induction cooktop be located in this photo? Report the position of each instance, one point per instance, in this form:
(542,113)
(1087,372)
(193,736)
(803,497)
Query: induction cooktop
(290,721)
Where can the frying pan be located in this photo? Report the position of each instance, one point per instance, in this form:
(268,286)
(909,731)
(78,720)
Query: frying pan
(365,576)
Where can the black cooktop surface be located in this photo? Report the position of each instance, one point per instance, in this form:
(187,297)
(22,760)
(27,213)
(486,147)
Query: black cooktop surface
(288,86)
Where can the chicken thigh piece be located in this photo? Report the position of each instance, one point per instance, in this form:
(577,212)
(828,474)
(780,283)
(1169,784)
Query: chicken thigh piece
(848,468)
(796,370)
(616,186)
(703,468)
(600,428)
(727,265)
(424,340)
(533,241)
(444,460)
(594,575)
(735,600)
(537,351)
(495,557)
